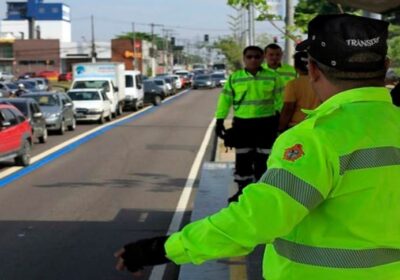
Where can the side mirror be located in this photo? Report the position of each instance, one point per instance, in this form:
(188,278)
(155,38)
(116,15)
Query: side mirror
(5,124)
(68,105)
(115,88)
(37,115)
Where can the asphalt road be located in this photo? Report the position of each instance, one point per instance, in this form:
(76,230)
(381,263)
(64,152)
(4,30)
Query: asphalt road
(66,219)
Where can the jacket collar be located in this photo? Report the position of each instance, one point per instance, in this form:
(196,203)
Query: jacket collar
(364,94)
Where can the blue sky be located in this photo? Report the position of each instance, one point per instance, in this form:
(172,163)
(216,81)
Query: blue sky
(189,19)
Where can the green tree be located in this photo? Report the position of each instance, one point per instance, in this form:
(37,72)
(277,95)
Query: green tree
(306,10)
(232,51)
(263,40)
(158,41)
(394,46)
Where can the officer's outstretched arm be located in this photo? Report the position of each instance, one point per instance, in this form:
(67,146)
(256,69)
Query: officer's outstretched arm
(225,101)
(299,178)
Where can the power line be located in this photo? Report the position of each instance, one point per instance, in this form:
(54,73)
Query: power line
(165,25)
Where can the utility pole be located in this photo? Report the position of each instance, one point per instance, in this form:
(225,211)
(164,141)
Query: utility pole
(168,49)
(289,21)
(135,57)
(93,54)
(250,25)
(153,52)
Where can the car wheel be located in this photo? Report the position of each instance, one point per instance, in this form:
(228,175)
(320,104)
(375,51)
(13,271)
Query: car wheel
(24,159)
(62,128)
(101,120)
(43,138)
(109,118)
(135,106)
(120,109)
(157,100)
(72,127)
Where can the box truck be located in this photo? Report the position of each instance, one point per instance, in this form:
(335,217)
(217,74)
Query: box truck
(109,76)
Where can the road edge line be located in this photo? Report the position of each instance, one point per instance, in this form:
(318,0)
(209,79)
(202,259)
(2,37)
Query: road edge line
(158,271)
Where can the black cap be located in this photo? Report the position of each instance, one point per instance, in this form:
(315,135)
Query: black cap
(333,40)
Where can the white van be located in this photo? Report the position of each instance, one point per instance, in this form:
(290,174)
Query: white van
(102,75)
(134,93)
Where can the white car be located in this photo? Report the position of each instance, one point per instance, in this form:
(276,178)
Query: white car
(91,105)
(177,80)
(6,76)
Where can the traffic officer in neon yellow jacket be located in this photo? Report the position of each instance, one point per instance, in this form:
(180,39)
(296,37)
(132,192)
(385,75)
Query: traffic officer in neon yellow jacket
(273,61)
(251,92)
(328,206)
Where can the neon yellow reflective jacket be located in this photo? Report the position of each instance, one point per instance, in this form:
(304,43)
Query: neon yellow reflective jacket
(328,206)
(250,96)
(285,73)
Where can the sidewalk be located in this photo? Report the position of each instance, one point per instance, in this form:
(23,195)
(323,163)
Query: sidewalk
(216,185)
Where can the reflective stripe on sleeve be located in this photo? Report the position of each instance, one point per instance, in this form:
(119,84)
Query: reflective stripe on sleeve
(288,74)
(279,90)
(243,178)
(370,158)
(257,102)
(335,258)
(227,92)
(298,189)
(240,151)
(263,151)
(246,79)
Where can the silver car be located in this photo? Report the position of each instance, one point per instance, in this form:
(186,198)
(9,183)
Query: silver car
(58,110)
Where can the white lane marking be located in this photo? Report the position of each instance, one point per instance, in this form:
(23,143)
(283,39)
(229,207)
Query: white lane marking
(38,157)
(143,217)
(158,271)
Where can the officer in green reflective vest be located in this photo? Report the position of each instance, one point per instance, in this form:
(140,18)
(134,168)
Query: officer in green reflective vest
(251,92)
(285,72)
(328,205)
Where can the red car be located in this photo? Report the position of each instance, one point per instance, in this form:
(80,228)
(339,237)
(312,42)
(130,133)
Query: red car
(65,77)
(51,75)
(15,135)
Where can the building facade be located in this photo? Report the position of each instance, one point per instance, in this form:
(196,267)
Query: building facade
(37,20)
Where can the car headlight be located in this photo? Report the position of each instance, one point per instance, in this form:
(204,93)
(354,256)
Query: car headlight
(52,116)
(96,110)
(208,83)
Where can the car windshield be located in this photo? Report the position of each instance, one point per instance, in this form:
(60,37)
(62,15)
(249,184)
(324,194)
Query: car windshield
(91,84)
(21,106)
(158,82)
(28,85)
(11,86)
(45,100)
(202,77)
(84,95)
(218,76)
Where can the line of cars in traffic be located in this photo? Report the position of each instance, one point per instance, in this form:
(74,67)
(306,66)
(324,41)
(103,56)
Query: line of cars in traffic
(203,78)
(31,116)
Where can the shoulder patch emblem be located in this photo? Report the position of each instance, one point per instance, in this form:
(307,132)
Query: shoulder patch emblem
(294,153)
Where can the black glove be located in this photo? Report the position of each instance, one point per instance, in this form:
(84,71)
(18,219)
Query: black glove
(220,128)
(145,252)
(229,138)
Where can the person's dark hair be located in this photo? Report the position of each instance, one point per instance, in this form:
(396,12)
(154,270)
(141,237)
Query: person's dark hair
(351,79)
(253,48)
(272,46)
(301,61)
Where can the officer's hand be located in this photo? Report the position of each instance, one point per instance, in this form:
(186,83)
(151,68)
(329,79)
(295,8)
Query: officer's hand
(146,252)
(120,263)
(220,128)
